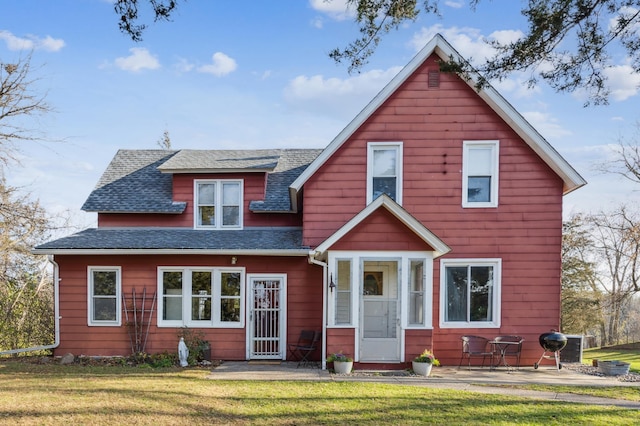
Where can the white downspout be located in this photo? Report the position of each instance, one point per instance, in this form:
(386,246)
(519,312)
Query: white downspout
(56,315)
(325,290)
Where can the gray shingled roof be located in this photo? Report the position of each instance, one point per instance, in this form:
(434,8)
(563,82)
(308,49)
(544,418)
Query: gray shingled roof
(188,160)
(251,239)
(132,184)
(292,162)
(140,181)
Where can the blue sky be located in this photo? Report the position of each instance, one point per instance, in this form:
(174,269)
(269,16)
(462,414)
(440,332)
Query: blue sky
(258,75)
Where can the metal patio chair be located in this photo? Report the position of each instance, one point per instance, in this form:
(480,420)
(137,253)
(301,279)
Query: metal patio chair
(306,345)
(475,346)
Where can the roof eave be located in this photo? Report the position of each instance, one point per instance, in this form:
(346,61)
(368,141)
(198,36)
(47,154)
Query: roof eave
(214,170)
(173,251)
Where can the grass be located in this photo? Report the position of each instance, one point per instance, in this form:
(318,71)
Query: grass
(55,394)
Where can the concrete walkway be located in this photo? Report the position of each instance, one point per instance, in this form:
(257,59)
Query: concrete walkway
(481,380)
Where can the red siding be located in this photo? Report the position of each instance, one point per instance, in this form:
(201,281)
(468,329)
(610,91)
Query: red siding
(524,230)
(304,290)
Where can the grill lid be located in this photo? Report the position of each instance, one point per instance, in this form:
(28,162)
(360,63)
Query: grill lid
(552,341)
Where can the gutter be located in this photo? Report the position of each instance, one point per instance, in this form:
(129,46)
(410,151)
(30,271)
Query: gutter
(176,251)
(325,291)
(56,314)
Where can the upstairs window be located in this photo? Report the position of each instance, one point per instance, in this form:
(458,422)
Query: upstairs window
(480,174)
(384,170)
(218,204)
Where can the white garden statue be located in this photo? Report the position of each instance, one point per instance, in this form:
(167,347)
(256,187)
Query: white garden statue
(183,353)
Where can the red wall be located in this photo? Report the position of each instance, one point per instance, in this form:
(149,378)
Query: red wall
(524,230)
(304,290)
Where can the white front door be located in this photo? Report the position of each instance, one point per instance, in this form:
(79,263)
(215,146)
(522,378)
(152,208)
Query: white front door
(266,317)
(380,313)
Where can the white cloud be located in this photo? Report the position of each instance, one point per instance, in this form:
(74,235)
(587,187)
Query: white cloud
(222,65)
(31,42)
(336,9)
(547,125)
(317,23)
(457,4)
(182,65)
(51,44)
(469,42)
(334,96)
(139,59)
(623,82)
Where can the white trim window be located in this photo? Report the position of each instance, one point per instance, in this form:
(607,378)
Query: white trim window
(104,289)
(470,293)
(201,297)
(218,204)
(344,288)
(480,173)
(384,170)
(417,284)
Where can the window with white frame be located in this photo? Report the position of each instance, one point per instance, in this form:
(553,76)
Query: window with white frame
(480,173)
(201,297)
(344,287)
(470,292)
(416,293)
(104,291)
(218,204)
(384,170)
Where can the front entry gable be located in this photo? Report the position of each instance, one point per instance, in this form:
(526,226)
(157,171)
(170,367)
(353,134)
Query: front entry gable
(385,226)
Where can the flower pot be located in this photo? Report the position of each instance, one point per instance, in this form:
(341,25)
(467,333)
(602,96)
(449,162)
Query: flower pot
(342,367)
(422,368)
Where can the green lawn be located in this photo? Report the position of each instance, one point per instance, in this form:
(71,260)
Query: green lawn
(54,394)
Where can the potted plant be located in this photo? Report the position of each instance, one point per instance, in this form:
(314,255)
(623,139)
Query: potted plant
(342,364)
(423,363)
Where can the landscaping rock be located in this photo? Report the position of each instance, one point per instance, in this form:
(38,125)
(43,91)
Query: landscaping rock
(67,359)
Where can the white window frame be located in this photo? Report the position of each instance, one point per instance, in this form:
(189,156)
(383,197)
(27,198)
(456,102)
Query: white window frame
(216,297)
(496,297)
(90,296)
(218,203)
(381,146)
(494,167)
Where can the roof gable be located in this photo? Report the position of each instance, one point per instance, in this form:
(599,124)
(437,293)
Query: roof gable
(438,45)
(384,201)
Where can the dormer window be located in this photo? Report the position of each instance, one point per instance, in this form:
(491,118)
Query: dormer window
(384,170)
(218,204)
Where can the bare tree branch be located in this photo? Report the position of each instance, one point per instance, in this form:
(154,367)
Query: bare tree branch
(18,101)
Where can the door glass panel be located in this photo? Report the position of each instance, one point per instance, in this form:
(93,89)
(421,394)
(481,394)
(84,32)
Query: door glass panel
(380,300)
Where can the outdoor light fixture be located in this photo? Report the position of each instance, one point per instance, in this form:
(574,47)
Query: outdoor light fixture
(332,285)
(234,260)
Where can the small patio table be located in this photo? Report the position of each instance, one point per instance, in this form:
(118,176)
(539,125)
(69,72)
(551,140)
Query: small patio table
(502,346)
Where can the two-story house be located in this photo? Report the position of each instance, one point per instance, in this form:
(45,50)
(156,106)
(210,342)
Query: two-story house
(436,213)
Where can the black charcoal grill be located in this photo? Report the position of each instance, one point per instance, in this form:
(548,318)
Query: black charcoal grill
(552,342)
